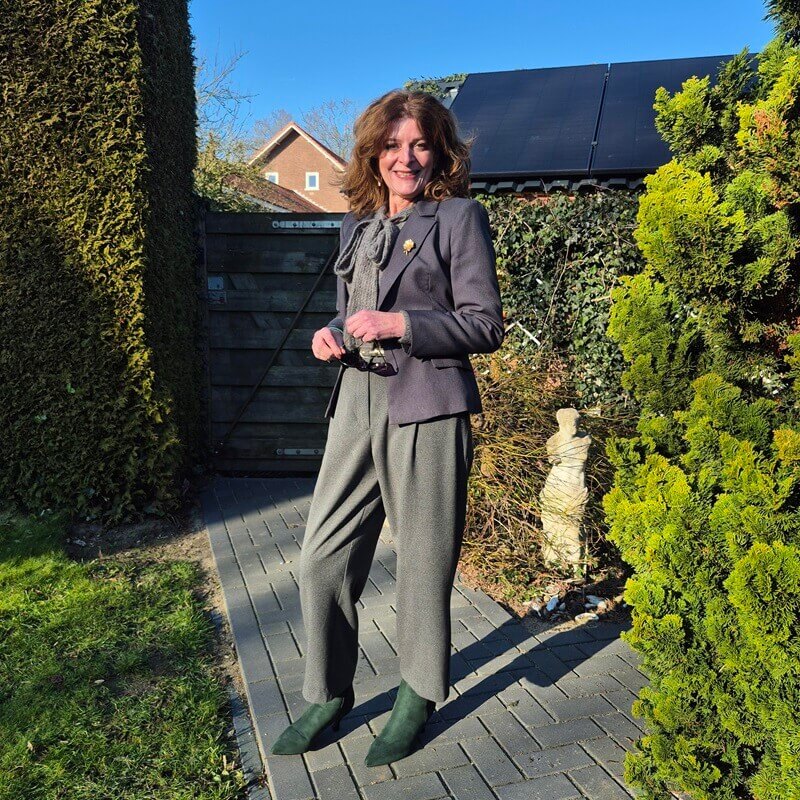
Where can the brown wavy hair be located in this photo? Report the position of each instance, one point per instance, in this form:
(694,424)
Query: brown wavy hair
(361,181)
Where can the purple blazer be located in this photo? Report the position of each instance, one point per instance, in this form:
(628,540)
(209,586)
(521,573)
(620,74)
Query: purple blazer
(448,285)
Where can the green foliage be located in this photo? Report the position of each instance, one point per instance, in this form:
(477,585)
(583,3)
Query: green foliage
(769,136)
(106,686)
(786,15)
(714,537)
(433,85)
(706,501)
(700,122)
(216,161)
(98,303)
(558,262)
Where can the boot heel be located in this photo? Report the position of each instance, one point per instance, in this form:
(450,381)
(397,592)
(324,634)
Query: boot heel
(348,701)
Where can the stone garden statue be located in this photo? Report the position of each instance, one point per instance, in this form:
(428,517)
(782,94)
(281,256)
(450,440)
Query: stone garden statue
(564,495)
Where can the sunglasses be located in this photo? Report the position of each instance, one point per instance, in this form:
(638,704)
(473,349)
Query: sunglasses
(352,358)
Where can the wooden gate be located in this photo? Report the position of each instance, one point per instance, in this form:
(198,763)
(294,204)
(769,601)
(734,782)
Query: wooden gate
(266,297)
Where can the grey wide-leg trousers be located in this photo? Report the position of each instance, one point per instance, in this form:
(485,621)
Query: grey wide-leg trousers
(416,476)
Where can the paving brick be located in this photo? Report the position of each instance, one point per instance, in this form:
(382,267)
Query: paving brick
(596,784)
(507,662)
(282,646)
(618,726)
(249,755)
(475,685)
(265,698)
(465,783)
(326,752)
(554,759)
(510,734)
(268,728)
(375,645)
(601,664)
(577,686)
(555,638)
(630,678)
(335,783)
(607,752)
(622,700)
(445,755)
(568,653)
(471,705)
(546,662)
(492,762)
(415,787)
(539,685)
(296,703)
(551,787)
(355,750)
(462,639)
(324,756)
(288,778)
(595,646)
(516,632)
(608,630)
(458,730)
(529,712)
(478,626)
(575,707)
(629,656)
(575,730)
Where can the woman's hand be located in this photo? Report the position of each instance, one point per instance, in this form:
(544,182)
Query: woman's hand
(327,344)
(369,326)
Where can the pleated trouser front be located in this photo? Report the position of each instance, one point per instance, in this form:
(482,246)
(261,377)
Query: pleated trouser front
(416,476)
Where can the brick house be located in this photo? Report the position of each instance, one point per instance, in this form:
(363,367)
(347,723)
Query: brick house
(295,160)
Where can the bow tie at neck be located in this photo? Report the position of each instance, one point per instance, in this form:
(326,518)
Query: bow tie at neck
(371,240)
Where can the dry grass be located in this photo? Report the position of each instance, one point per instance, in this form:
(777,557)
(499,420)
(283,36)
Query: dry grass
(503,538)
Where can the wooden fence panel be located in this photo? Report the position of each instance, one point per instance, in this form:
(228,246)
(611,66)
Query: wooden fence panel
(260,270)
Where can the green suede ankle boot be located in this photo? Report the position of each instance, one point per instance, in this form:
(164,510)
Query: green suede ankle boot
(297,738)
(398,737)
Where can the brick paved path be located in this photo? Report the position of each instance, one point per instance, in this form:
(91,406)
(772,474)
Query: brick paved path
(530,717)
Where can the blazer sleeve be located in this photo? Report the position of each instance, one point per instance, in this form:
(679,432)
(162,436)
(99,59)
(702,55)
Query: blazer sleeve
(475,325)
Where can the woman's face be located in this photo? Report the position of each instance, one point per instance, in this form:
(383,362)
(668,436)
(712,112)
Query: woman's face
(406,160)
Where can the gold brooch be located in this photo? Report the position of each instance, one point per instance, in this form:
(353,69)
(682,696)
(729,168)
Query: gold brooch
(408,246)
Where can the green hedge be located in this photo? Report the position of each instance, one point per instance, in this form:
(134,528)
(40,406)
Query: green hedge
(706,502)
(558,259)
(98,301)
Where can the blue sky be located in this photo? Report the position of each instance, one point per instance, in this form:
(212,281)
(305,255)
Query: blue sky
(300,54)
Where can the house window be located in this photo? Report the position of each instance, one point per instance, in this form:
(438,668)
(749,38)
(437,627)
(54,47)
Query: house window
(272,177)
(312,180)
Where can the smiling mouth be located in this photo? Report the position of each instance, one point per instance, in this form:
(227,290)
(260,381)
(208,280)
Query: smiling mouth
(406,174)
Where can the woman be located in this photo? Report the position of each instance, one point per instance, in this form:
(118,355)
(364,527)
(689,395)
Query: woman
(417,292)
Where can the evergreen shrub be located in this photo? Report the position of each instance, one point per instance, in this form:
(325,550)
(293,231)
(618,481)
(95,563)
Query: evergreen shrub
(706,500)
(98,295)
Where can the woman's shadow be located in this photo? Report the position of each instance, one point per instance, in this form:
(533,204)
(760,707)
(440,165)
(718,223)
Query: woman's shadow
(517,659)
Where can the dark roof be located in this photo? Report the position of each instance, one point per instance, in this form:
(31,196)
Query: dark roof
(569,127)
(270,193)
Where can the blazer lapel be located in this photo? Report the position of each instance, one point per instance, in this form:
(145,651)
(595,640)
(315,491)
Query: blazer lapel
(416,229)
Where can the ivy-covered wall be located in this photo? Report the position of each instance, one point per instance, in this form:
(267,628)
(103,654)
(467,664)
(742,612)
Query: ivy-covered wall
(98,301)
(558,258)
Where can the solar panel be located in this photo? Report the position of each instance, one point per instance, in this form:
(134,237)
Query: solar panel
(536,121)
(627,139)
